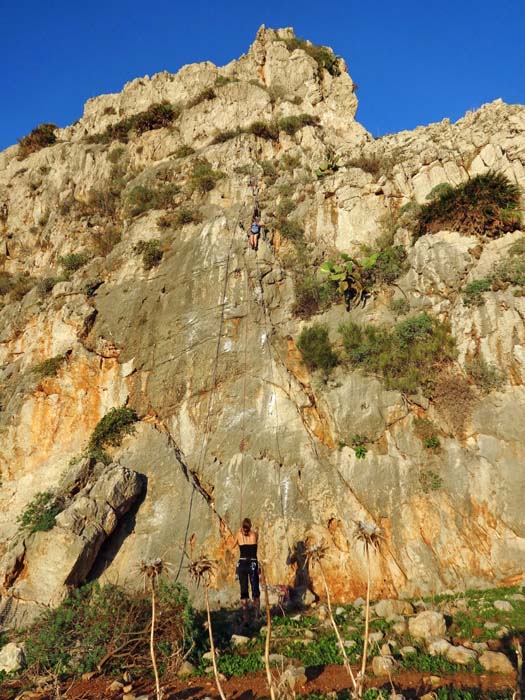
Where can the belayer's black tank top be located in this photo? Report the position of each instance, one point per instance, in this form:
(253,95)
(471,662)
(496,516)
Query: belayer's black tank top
(248,551)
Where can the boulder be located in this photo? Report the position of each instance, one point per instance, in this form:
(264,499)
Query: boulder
(12,658)
(407,651)
(438,647)
(294,677)
(427,624)
(186,669)
(239,640)
(375,637)
(382,665)
(496,662)
(503,605)
(391,606)
(461,655)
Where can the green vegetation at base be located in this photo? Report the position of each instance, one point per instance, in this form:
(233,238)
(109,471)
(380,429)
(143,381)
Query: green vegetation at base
(322,55)
(407,357)
(73,261)
(94,622)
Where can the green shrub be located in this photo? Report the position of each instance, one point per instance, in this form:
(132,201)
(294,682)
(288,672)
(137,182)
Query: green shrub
(472,294)
(400,306)
(73,261)
(406,357)
(157,116)
(291,231)
(487,376)
(140,199)
(187,215)
(116,154)
(289,162)
(316,349)
(385,266)
(323,55)
(488,205)
(95,621)
(203,177)
(290,125)
(40,514)
(20,286)
(285,207)
(6,282)
(443,189)
(269,171)
(430,480)
(264,130)
(44,135)
(432,443)
(49,367)
(184,152)
(311,296)
(151,253)
(110,430)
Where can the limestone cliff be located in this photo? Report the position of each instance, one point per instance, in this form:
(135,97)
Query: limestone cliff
(200,337)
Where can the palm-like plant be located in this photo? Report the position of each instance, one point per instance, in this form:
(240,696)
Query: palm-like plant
(370,536)
(347,277)
(201,571)
(315,554)
(151,572)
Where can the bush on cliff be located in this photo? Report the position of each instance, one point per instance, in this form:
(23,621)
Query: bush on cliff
(44,135)
(407,357)
(157,116)
(487,205)
(110,430)
(40,514)
(316,348)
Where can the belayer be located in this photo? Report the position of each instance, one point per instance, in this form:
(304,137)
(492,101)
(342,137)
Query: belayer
(248,567)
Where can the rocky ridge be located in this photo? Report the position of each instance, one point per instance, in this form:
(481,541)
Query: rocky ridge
(202,343)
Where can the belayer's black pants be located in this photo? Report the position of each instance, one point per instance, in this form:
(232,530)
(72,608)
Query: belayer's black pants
(249,569)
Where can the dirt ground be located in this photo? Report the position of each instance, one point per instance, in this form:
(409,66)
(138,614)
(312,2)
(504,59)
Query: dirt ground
(252,686)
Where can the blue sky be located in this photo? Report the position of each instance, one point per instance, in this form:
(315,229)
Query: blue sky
(415,61)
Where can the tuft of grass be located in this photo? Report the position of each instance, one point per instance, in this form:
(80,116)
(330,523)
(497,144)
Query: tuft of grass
(42,136)
(203,177)
(322,55)
(485,375)
(184,152)
(264,130)
(407,357)
(227,135)
(204,96)
(472,294)
(400,306)
(73,261)
(290,125)
(487,206)
(316,348)
(49,367)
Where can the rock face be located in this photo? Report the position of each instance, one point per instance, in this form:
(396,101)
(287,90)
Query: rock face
(202,341)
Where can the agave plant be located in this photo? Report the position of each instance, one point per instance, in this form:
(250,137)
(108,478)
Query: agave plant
(347,276)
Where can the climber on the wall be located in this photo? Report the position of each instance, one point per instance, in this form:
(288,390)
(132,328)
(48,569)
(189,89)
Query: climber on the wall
(255,230)
(248,566)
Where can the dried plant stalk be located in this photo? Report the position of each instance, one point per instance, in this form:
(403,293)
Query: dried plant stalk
(152,570)
(201,570)
(269,677)
(315,554)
